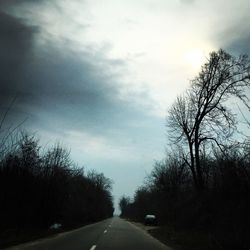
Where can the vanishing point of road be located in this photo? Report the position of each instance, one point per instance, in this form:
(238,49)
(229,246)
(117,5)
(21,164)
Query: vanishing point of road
(110,234)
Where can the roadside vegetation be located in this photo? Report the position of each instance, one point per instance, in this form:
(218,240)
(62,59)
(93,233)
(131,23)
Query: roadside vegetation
(40,187)
(200,192)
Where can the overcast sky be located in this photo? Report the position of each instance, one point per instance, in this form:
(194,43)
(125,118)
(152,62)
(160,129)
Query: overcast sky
(99,75)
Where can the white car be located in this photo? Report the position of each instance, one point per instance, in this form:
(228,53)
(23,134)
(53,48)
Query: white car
(150,219)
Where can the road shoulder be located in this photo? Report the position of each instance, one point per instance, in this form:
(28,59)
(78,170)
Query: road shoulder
(148,230)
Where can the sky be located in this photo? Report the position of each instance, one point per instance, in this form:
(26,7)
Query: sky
(99,76)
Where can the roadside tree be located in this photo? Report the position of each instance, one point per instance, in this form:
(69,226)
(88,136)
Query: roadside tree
(201,115)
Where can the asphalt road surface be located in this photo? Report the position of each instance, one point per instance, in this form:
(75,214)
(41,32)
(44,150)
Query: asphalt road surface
(110,234)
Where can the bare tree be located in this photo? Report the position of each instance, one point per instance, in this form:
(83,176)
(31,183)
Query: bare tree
(201,115)
(100,180)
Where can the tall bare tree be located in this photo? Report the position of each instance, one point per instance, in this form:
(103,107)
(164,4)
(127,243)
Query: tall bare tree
(201,115)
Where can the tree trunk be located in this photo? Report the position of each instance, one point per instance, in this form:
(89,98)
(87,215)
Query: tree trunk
(200,180)
(192,165)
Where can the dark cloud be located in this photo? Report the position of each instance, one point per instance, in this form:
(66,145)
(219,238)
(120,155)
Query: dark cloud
(16,42)
(234,36)
(58,87)
(5,3)
(239,42)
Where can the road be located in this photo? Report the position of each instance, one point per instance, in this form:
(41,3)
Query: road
(110,234)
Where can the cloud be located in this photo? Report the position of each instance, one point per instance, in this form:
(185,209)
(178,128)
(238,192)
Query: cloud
(231,30)
(187,1)
(236,40)
(60,87)
(8,3)
(15,49)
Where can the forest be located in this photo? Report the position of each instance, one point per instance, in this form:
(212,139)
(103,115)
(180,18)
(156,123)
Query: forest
(40,187)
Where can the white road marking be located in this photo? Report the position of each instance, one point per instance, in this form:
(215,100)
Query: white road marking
(105,231)
(93,247)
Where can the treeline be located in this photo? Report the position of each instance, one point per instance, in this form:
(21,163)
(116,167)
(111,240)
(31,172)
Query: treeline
(41,187)
(220,211)
(203,185)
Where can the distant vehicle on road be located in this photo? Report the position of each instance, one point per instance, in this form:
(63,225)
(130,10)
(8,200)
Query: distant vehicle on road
(150,220)
(55,226)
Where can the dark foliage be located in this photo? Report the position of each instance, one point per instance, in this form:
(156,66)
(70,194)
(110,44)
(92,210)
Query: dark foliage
(37,190)
(221,211)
